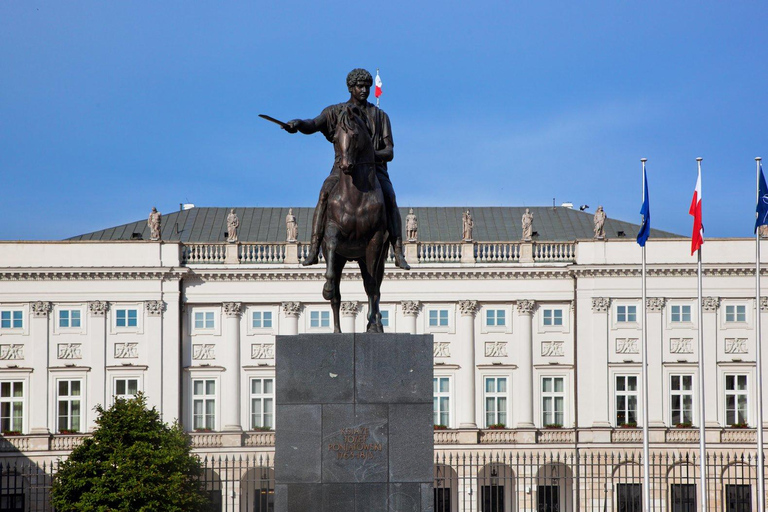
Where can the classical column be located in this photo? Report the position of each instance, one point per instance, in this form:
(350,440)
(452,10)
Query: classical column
(598,363)
(523,391)
(655,333)
(100,390)
(410,312)
(153,378)
(709,324)
(465,353)
(291,311)
(349,310)
(37,352)
(230,378)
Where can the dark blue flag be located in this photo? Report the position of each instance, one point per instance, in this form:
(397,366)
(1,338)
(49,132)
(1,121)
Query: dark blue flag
(762,202)
(645,211)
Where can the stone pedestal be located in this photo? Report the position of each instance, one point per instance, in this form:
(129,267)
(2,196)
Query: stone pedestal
(355,423)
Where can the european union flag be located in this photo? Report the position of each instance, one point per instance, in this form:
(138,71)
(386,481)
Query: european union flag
(645,211)
(762,202)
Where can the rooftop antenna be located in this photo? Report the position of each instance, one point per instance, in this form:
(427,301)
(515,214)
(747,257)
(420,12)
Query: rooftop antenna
(553,203)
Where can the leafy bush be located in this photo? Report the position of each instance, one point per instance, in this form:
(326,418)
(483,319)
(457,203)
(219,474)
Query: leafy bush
(133,462)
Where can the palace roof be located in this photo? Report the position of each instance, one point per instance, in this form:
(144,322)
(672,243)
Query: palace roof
(436,224)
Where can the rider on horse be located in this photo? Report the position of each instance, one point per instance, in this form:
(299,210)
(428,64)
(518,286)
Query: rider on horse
(359,83)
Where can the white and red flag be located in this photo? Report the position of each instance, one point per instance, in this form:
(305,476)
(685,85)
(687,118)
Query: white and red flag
(377,90)
(697,238)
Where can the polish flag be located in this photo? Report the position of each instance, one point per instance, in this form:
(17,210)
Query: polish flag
(697,238)
(377,91)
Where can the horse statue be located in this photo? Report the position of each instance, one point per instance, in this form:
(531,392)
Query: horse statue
(356,218)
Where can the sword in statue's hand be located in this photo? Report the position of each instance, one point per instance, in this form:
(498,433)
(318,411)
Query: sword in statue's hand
(284,126)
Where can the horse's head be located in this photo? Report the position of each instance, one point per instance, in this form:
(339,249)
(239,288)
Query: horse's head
(351,137)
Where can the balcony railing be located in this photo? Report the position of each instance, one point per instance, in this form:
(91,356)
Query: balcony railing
(269,253)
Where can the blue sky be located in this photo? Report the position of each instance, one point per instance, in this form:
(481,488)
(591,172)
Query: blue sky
(110,108)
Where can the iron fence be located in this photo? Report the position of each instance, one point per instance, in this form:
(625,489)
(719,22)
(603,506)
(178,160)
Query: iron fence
(564,481)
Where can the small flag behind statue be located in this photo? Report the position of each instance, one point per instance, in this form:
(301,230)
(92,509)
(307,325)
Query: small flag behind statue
(762,200)
(697,237)
(377,91)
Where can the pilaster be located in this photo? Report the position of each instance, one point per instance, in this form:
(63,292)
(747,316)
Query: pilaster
(230,378)
(524,378)
(598,364)
(291,312)
(465,377)
(349,311)
(710,305)
(100,390)
(410,311)
(153,377)
(38,351)
(655,332)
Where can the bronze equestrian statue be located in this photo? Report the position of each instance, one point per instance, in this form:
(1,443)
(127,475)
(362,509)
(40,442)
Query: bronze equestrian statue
(356,214)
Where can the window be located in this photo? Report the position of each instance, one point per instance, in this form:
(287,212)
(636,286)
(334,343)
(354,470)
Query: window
(442,400)
(261,319)
(736,400)
(681,313)
(495,317)
(492,498)
(11,319)
(69,403)
(204,404)
(319,319)
(553,401)
(553,317)
(126,388)
(384,318)
(438,318)
(626,400)
(262,403)
(69,318)
(736,313)
(11,406)
(626,313)
(126,317)
(681,388)
(204,320)
(629,497)
(548,498)
(738,498)
(683,497)
(495,401)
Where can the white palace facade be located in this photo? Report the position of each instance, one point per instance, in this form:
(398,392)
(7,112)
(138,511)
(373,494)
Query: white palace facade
(537,345)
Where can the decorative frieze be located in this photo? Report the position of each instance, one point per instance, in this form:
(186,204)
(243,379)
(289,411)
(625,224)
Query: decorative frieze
(627,346)
(442,349)
(350,308)
(655,303)
(468,307)
(11,351)
(232,308)
(70,351)
(98,307)
(600,304)
(681,345)
(154,307)
(552,348)
(495,349)
(291,308)
(526,307)
(202,351)
(41,308)
(710,303)
(263,351)
(736,346)
(410,307)
(128,350)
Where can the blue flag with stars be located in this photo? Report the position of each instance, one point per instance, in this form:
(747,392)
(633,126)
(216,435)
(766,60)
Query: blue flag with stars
(645,211)
(762,202)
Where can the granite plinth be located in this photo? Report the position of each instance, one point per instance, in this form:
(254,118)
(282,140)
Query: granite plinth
(354,416)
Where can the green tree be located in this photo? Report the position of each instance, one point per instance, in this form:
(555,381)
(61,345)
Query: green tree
(133,462)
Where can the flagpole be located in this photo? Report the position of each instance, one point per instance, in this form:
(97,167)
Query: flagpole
(759,362)
(646,449)
(702,430)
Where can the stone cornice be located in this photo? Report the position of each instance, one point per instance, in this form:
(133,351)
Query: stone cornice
(677,271)
(88,274)
(229,274)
